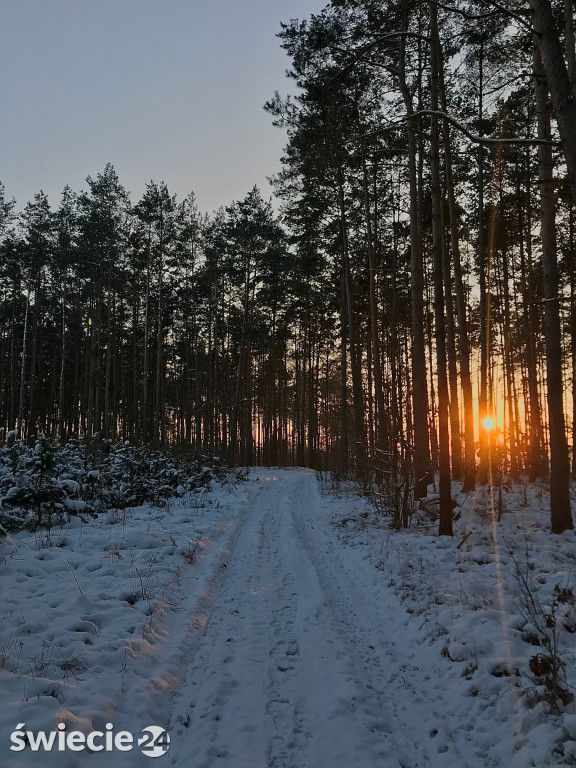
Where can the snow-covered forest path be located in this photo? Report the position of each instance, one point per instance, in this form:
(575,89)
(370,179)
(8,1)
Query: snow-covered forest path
(270,621)
(298,664)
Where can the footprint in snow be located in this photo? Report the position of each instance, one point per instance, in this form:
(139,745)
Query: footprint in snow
(293,649)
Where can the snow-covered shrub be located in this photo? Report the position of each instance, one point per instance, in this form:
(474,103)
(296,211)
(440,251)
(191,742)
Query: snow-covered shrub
(548,618)
(29,494)
(41,484)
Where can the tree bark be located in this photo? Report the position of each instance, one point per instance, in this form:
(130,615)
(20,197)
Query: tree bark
(484,318)
(461,310)
(445,528)
(556,72)
(421,452)
(561,515)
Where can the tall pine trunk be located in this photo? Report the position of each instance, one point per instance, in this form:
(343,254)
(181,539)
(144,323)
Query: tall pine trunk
(561,515)
(355,363)
(561,90)
(445,528)
(421,449)
(461,309)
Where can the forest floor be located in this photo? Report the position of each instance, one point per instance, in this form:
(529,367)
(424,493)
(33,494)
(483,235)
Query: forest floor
(281,623)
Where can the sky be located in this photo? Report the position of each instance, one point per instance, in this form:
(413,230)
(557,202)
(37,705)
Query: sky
(163,89)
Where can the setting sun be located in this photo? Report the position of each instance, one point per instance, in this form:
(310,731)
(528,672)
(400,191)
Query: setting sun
(488,423)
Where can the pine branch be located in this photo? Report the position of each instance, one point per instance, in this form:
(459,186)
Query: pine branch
(381,37)
(490,15)
(513,15)
(472,136)
(466,14)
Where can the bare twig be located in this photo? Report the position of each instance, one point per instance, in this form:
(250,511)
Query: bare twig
(71,568)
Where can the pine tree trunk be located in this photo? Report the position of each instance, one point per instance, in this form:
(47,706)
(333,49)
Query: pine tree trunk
(343,383)
(535,457)
(236,416)
(98,366)
(380,432)
(357,393)
(31,428)
(573,334)
(158,379)
(484,317)
(559,85)
(570,45)
(61,434)
(108,370)
(455,441)
(461,310)
(145,404)
(561,515)
(421,450)
(135,430)
(445,528)
(22,397)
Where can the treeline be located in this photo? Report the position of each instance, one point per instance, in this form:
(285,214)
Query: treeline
(432,161)
(149,322)
(428,279)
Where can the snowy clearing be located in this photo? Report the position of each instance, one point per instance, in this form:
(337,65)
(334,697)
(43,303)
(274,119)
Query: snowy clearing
(275,623)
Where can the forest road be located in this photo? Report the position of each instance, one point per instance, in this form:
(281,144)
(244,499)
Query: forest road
(296,667)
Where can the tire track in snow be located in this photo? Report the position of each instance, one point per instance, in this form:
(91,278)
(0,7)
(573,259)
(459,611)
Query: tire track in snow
(373,627)
(211,725)
(150,693)
(276,682)
(295,666)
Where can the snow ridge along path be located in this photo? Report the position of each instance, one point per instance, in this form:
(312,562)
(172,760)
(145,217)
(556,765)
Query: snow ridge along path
(298,666)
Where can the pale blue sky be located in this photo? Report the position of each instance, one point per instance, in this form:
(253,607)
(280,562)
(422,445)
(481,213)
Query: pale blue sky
(162,89)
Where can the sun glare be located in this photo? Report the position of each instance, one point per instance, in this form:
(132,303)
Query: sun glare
(488,423)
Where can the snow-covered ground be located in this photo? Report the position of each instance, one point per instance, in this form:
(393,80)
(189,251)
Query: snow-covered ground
(274,623)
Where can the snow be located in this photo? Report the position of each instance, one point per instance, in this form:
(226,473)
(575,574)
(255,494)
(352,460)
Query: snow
(70,485)
(86,614)
(275,622)
(469,640)
(11,493)
(76,506)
